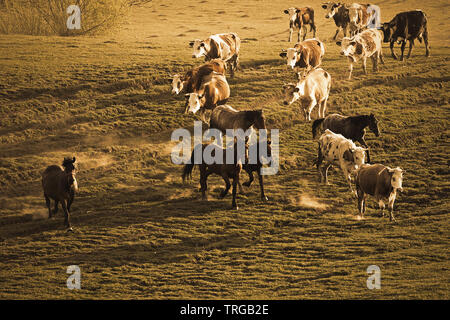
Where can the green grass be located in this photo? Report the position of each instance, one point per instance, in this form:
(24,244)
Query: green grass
(141,233)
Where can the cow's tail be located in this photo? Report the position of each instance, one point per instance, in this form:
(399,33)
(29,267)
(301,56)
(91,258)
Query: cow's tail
(316,127)
(187,170)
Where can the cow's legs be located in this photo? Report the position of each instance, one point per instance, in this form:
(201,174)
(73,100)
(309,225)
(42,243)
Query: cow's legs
(380,55)
(227,187)
(411,44)
(381,205)
(364,144)
(47,203)
(403,49)
(319,162)
(361,202)
(364,64)
(290,34)
(391,205)
(313,28)
(311,106)
(375,63)
(235,183)
(203,182)
(392,50)
(337,32)
(261,186)
(55,209)
(326,173)
(350,69)
(305,30)
(250,179)
(425,38)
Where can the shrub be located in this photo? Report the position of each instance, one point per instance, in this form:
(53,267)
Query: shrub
(49,17)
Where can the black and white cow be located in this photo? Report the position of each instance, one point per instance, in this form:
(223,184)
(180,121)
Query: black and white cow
(335,149)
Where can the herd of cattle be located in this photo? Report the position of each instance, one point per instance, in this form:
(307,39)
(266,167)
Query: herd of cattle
(206,89)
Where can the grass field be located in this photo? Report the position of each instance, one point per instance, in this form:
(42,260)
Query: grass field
(140,233)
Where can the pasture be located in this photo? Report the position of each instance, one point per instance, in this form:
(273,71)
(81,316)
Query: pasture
(139,232)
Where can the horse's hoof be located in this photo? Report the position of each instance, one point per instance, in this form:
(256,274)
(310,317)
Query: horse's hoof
(235,208)
(69,229)
(264,199)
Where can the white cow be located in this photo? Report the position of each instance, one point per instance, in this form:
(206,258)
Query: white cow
(312,89)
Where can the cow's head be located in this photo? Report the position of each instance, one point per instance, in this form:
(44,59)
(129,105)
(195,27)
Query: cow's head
(199,47)
(359,156)
(194,102)
(331,8)
(177,84)
(388,31)
(292,55)
(291,93)
(396,178)
(350,46)
(292,12)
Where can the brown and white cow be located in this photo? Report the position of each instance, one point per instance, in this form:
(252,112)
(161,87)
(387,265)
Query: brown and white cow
(192,79)
(224,46)
(359,17)
(307,54)
(335,149)
(312,90)
(299,19)
(382,183)
(213,92)
(366,44)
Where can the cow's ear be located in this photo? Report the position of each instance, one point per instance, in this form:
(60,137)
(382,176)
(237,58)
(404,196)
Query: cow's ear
(324,6)
(297,10)
(286,11)
(339,43)
(191,44)
(73,160)
(296,89)
(283,54)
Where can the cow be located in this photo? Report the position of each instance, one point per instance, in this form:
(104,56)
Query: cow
(351,127)
(359,18)
(192,79)
(340,15)
(300,18)
(312,90)
(335,149)
(406,26)
(224,46)
(382,183)
(366,44)
(307,54)
(214,91)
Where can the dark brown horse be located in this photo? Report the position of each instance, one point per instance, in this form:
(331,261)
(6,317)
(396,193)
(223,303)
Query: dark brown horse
(226,170)
(60,185)
(225,117)
(252,167)
(352,128)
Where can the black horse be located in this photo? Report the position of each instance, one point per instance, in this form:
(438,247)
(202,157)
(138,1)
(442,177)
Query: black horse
(250,168)
(226,170)
(352,127)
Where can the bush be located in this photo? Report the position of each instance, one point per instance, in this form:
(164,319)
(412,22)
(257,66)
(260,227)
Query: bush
(49,17)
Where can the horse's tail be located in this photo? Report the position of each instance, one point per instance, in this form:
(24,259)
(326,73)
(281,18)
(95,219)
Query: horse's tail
(187,170)
(316,126)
